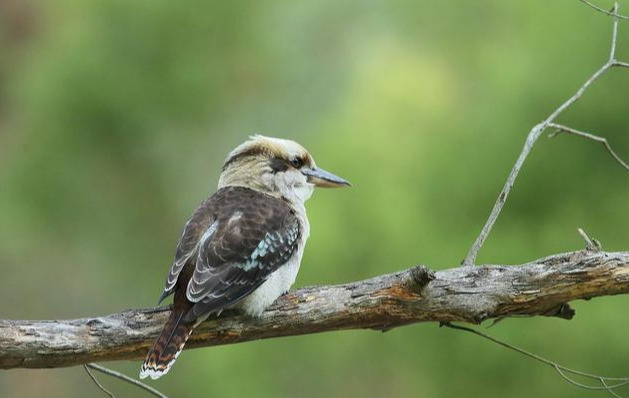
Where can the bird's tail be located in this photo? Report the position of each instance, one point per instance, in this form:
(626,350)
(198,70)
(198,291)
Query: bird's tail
(167,347)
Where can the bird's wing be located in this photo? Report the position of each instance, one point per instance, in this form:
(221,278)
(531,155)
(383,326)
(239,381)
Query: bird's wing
(247,236)
(200,225)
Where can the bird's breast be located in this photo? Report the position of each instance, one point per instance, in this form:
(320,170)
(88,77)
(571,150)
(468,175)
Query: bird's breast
(280,281)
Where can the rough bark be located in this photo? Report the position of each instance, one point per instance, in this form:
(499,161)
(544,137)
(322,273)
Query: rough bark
(465,294)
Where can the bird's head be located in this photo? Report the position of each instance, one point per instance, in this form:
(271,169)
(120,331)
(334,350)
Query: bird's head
(278,167)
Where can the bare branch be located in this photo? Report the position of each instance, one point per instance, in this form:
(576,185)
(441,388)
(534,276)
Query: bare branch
(531,139)
(612,52)
(591,244)
(122,377)
(563,129)
(604,11)
(461,294)
(562,370)
(103,389)
(534,134)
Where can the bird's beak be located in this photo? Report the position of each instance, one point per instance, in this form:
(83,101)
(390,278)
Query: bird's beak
(322,178)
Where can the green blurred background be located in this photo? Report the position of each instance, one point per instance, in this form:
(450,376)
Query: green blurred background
(115,117)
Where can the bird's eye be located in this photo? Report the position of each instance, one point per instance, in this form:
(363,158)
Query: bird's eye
(297,163)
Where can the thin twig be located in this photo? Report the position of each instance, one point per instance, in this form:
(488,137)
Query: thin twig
(562,370)
(591,244)
(604,11)
(611,390)
(563,129)
(106,391)
(612,52)
(126,378)
(623,64)
(588,241)
(532,137)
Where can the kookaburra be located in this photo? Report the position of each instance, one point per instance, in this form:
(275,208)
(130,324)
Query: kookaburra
(242,246)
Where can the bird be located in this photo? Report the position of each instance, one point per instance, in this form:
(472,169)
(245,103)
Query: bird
(242,247)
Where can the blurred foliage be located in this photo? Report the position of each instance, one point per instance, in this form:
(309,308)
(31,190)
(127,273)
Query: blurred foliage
(115,117)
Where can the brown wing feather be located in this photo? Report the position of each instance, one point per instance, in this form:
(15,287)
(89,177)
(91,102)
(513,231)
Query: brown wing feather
(219,240)
(196,226)
(255,235)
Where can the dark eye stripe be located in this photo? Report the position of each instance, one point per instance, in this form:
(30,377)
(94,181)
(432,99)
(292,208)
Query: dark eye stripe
(278,165)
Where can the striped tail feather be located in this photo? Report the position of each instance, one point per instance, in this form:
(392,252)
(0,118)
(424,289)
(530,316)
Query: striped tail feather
(167,347)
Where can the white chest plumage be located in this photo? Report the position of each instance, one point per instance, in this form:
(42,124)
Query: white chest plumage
(280,281)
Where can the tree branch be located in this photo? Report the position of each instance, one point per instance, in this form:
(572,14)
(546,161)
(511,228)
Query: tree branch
(604,11)
(564,129)
(466,294)
(122,377)
(535,133)
(95,380)
(566,373)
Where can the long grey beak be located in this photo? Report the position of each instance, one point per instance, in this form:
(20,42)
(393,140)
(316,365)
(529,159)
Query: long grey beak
(325,179)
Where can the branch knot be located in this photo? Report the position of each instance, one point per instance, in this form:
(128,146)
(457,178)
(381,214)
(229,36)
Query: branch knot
(418,277)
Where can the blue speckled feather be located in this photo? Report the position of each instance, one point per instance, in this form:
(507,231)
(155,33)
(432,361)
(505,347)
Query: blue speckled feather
(234,241)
